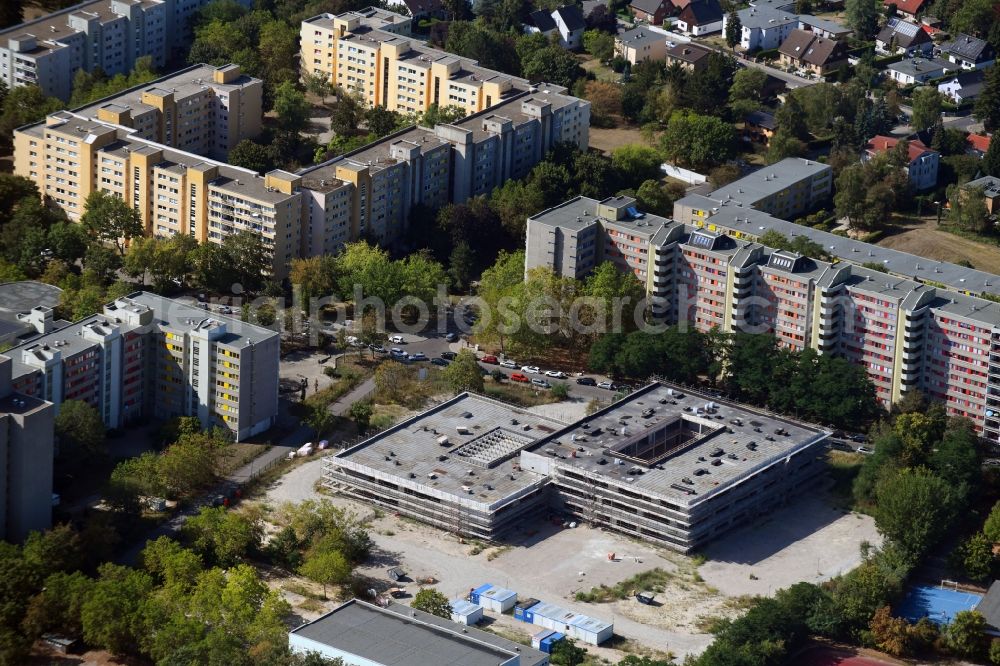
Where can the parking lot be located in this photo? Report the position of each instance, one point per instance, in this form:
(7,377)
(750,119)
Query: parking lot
(804,541)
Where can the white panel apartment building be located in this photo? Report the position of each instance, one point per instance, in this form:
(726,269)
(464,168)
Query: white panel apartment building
(106,34)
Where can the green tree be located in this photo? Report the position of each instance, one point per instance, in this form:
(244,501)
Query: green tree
(381,121)
(291,106)
(783,145)
(862,17)
(431,601)
(24,105)
(636,163)
(976,557)
(175,568)
(987,109)
(499,287)
(327,568)
(910,507)
(361,412)
(112,615)
(80,429)
(59,606)
(315,277)
(966,634)
(599,44)
(991,161)
(109,219)
(790,118)
(734,29)
(186,466)
(68,242)
(697,141)
(463,374)
(222,536)
(11,13)
(567,653)
(247,259)
(251,155)
(926,107)
(13,189)
(552,64)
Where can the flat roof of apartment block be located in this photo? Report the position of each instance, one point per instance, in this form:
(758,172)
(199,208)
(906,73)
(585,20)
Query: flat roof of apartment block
(676,443)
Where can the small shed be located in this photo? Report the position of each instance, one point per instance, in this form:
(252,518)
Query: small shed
(497,599)
(545,639)
(522,610)
(552,617)
(465,612)
(590,630)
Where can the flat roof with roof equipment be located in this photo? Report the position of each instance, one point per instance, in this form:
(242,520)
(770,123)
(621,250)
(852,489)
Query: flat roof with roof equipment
(401,636)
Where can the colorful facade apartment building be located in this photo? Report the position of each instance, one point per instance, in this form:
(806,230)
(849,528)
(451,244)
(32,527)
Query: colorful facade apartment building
(109,35)
(150,357)
(915,324)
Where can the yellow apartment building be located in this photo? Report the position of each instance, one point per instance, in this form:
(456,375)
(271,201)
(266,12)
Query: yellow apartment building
(70,156)
(395,71)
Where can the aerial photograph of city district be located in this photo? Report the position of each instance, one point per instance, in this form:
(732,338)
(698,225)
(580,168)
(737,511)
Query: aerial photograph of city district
(499,332)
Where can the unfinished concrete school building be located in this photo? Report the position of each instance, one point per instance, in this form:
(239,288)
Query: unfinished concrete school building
(664,464)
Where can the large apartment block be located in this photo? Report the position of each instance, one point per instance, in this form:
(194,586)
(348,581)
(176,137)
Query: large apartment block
(69,156)
(662,464)
(202,109)
(364,53)
(102,34)
(26,429)
(369,192)
(146,356)
(916,324)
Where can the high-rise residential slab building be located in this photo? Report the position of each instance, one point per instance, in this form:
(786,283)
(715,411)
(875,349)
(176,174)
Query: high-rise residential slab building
(201,109)
(147,356)
(364,54)
(915,324)
(26,432)
(109,35)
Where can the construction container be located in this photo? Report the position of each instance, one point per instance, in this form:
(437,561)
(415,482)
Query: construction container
(491,597)
(545,639)
(590,630)
(581,627)
(465,612)
(522,610)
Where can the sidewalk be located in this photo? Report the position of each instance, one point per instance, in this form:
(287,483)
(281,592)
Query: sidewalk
(359,392)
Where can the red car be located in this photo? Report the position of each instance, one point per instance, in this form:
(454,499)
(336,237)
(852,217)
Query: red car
(489,358)
(518,377)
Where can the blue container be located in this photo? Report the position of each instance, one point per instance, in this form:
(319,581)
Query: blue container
(547,642)
(474,595)
(522,611)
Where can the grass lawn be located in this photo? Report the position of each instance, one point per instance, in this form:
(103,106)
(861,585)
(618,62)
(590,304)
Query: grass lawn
(238,454)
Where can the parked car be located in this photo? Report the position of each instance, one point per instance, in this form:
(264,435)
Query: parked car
(417,356)
(378,349)
(451,337)
(396,339)
(450,355)
(586,381)
(491,359)
(607,385)
(440,361)
(530,369)
(396,352)
(536,381)
(518,377)
(508,363)
(558,374)
(865,450)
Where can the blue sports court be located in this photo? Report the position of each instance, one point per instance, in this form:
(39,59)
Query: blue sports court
(936,603)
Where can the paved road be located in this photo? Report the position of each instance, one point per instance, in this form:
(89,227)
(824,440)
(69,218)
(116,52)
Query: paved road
(791,80)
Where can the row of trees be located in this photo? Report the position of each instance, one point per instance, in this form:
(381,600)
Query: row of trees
(173,609)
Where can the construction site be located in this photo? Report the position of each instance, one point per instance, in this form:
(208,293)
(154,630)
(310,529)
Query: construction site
(663,464)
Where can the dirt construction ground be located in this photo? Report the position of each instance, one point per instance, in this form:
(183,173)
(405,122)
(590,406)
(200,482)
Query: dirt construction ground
(805,541)
(923,238)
